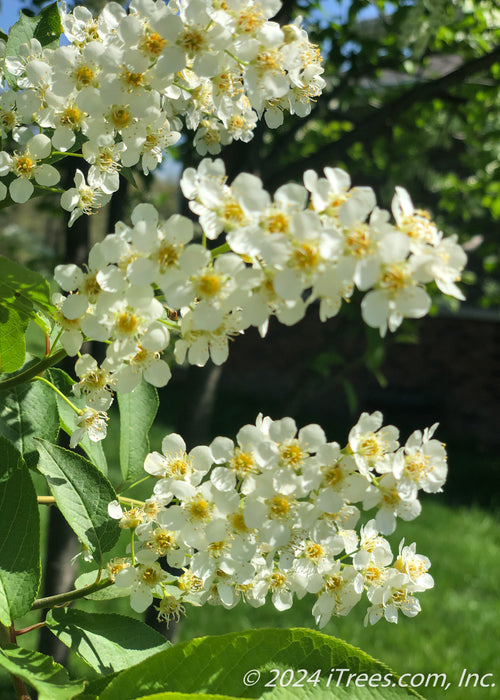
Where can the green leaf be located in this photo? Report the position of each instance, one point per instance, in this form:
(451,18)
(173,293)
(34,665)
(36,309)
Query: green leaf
(22,292)
(68,417)
(82,494)
(46,27)
(94,687)
(90,577)
(20,540)
(184,696)
(219,664)
(26,411)
(137,413)
(23,288)
(48,678)
(128,174)
(107,642)
(12,342)
(351,396)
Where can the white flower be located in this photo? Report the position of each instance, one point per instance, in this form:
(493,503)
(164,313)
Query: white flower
(144,580)
(26,165)
(91,423)
(370,442)
(82,199)
(94,383)
(424,462)
(175,464)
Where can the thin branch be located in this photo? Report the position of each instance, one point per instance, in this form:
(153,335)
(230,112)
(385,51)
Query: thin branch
(34,370)
(63,598)
(384,118)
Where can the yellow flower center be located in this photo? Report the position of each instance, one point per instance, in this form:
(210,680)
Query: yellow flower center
(394,278)
(23,165)
(127,323)
(192,41)
(151,575)
(277,581)
(313,551)
(208,284)
(199,508)
(358,240)
(238,522)
(292,454)
(250,19)
(333,583)
(179,467)
(152,43)
(133,80)
(84,76)
(280,507)
(163,541)
(277,222)
(306,257)
(232,212)
(332,474)
(189,582)
(119,116)
(242,463)
(72,117)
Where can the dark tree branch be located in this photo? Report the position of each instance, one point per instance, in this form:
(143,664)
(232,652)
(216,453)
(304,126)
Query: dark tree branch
(383,119)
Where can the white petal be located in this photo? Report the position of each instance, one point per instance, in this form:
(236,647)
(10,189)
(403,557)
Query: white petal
(158,373)
(74,306)
(46,175)
(21,190)
(68,277)
(172,444)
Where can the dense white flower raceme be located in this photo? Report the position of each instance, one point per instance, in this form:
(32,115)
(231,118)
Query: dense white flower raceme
(130,80)
(150,285)
(279,513)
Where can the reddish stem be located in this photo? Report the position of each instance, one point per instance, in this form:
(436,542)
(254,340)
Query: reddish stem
(29,629)
(19,686)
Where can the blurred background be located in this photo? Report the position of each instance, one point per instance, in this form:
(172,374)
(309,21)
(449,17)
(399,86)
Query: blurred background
(412,99)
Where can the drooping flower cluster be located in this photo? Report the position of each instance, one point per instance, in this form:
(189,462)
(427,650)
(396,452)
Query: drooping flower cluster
(276,514)
(129,81)
(322,240)
(312,243)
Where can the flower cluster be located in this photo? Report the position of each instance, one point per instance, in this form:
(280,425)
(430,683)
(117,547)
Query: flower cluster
(309,243)
(276,514)
(322,240)
(127,83)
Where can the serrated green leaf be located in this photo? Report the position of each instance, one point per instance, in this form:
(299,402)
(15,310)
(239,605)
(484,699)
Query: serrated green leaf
(23,288)
(45,27)
(26,411)
(137,413)
(12,340)
(184,696)
(82,494)
(20,540)
(68,417)
(48,30)
(107,642)
(41,672)
(94,687)
(22,293)
(219,664)
(90,577)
